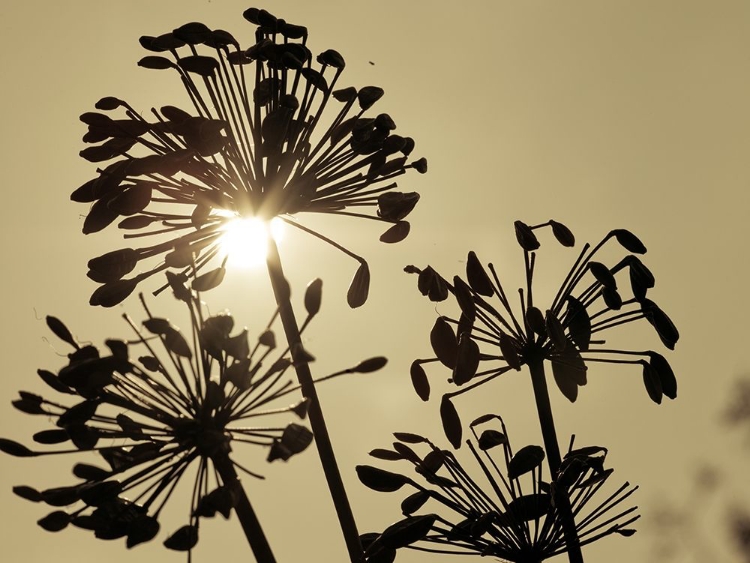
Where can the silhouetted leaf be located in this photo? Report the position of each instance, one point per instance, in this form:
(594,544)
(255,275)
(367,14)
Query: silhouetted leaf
(219,500)
(368,95)
(467,359)
(627,532)
(387,455)
(209,280)
(157,325)
(192,33)
(144,528)
(113,293)
(313,296)
(509,352)
(56,436)
(414,502)
(90,472)
(530,507)
(477,276)
(419,380)
(112,266)
(55,521)
(444,343)
(359,287)
(666,375)
(407,531)
(664,326)
(99,217)
(629,241)
(526,459)
(27,493)
(132,199)
(14,448)
(526,237)
(407,453)
(370,365)
(535,320)
(652,383)
(59,329)
(555,331)
(451,422)
(395,206)
(199,64)
(396,233)
(409,437)
(183,539)
(579,323)
(563,234)
(61,496)
(641,278)
(491,438)
(464,298)
(155,62)
(51,379)
(612,298)
(79,413)
(101,493)
(432,284)
(176,343)
(569,372)
(603,275)
(331,58)
(380,480)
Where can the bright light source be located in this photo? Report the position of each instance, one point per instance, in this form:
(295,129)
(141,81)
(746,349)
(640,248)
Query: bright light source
(245,241)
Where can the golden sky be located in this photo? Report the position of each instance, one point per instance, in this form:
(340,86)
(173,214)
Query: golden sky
(598,114)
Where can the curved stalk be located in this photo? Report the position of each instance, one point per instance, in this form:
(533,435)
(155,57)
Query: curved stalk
(549,435)
(245,513)
(315,413)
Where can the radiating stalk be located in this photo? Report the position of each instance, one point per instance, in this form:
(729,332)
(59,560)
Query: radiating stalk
(549,435)
(315,413)
(245,513)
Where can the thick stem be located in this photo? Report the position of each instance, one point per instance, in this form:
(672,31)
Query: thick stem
(315,414)
(549,435)
(249,521)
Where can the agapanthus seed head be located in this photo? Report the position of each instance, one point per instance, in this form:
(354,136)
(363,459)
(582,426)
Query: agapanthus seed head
(262,139)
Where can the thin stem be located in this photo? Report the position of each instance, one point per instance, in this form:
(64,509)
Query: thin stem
(544,410)
(249,521)
(315,413)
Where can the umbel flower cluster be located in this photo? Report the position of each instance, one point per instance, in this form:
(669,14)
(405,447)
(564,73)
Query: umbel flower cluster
(268,133)
(510,514)
(492,336)
(154,406)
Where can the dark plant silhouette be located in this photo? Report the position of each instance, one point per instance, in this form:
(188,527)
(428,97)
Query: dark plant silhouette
(167,407)
(256,144)
(515,519)
(587,303)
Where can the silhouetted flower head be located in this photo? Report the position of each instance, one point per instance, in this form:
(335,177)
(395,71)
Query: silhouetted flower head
(514,518)
(493,332)
(268,133)
(153,407)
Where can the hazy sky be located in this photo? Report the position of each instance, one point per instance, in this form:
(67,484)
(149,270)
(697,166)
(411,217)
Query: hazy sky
(598,114)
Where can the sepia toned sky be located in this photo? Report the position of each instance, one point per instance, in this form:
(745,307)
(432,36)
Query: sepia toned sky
(598,114)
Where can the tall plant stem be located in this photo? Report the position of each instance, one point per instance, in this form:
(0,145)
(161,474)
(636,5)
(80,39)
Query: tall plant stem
(245,513)
(315,413)
(549,435)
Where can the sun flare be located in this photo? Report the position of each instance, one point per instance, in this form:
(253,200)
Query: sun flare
(245,240)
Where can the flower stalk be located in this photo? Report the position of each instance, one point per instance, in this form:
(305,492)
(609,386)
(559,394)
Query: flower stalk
(551,446)
(315,413)
(244,510)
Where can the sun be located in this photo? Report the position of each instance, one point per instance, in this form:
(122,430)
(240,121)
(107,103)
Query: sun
(245,240)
